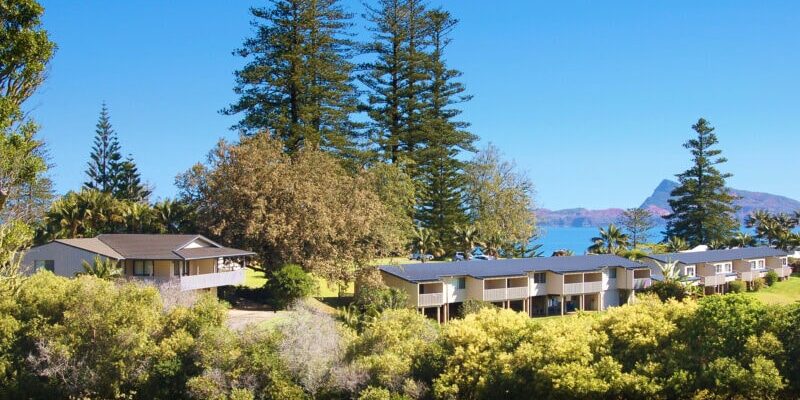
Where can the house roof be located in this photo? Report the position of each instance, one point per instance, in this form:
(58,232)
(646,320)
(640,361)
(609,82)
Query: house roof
(710,256)
(212,252)
(92,245)
(481,269)
(153,247)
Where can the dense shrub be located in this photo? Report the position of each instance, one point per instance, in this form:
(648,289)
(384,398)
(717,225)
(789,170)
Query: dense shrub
(288,284)
(771,277)
(757,284)
(472,306)
(736,286)
(90,338)
(666,290)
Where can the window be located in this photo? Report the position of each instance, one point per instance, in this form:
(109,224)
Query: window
(760,264)
(690,271)
(143,267)
(723,268)
(784,261)
(612,273)
(461,283)
(540,277)
(753,264)
(44,264)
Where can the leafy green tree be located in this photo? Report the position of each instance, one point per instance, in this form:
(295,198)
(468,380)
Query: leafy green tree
(611,240)
(296,84)
(499,199)
(103,268)
(304,209)
(702,208)
(397,191)
(129,184)
(25,51)
(105,166)
(637,222)
(287,284)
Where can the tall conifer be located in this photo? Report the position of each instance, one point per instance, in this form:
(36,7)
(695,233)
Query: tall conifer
(702,208)
(105,164)
(442,137)
(297,83)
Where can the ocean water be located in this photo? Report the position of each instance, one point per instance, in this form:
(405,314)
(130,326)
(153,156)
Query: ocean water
(554,238)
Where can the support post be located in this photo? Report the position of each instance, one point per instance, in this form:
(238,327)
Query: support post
(562,305)
(438,314)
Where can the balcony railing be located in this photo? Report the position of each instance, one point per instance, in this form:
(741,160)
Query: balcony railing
(430,299)
(494,294)
(592,287)
(459,295)
(783,272)
(748,276)
(203,281)
(713,280)
(573,288)
(641,283)
(517,292)
(199,281)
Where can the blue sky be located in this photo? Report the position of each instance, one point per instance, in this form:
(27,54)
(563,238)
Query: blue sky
(592,99)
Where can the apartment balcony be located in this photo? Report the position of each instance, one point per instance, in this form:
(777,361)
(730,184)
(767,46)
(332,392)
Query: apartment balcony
(459,295)
(749,276)
(783,272)
(582,287)
(713,280)
(641,283)
(430,300)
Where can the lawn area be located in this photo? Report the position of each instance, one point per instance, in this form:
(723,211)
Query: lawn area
(256,279)
(785,292)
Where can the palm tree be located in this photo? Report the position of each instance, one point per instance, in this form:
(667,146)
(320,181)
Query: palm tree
(493,244)
(138,218)
(103,268)
(743,239)
(610,241)
(467,238)
(172,216)
(563,253)
(423,241)
(676,244)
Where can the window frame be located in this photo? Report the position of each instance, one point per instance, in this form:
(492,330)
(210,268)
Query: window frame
(460,283)
(692,268)
(143,264)
(612,273)
(540,277)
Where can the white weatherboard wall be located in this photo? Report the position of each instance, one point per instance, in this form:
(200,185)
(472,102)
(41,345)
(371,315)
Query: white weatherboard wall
(67,260)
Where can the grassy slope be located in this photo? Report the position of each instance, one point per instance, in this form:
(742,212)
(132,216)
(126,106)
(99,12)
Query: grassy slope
(785,292)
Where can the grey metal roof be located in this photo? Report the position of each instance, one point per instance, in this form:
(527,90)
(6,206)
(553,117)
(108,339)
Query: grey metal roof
(710,256)
(424,272)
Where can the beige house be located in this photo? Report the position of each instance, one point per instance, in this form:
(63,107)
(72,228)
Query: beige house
(537,286)
(189,261)
(715,269)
